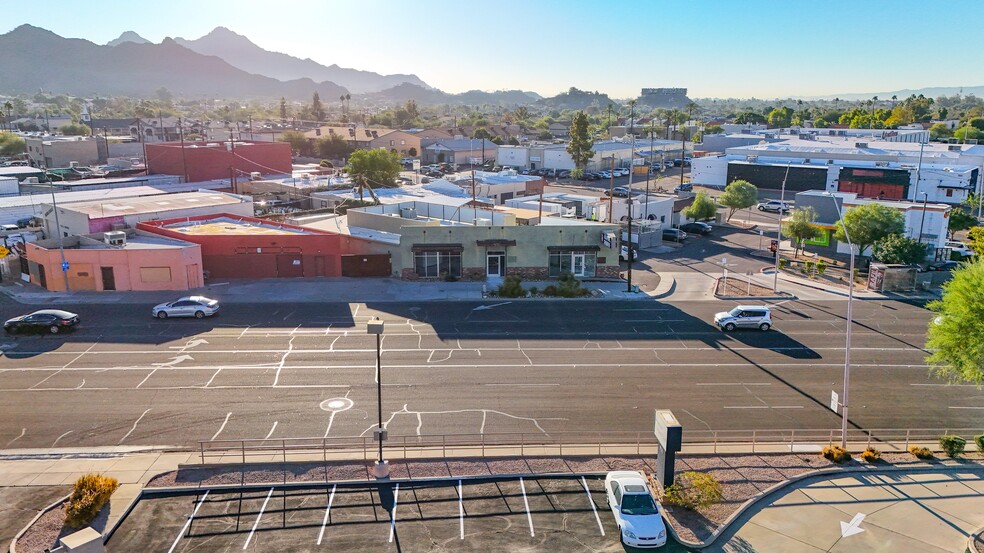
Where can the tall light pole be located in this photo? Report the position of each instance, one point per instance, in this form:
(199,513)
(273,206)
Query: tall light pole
(782,202)
(922,220)
(628,254)
(850,323)
(375,326)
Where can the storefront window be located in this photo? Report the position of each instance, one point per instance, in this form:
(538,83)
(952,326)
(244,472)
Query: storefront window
(437,263)
(578,263)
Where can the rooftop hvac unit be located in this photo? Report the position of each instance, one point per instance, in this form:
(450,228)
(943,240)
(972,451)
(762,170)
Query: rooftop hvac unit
(119,226)
(31,180)
(953,147)
(752,159)
(408,213)
(483,222)
(255,175)
(860,144)
(73,164)
(115,238)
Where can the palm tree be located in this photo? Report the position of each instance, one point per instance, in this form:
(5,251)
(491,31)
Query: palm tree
(9,107)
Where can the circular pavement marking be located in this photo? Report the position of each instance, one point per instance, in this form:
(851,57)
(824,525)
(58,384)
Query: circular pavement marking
(337,404)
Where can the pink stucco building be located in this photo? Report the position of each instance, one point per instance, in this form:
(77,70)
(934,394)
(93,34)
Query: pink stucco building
(142,261)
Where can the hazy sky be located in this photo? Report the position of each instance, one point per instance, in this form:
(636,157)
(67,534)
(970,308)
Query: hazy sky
(719,48)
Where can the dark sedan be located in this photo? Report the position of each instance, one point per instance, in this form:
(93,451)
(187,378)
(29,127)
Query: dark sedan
(697,228)
(52,321)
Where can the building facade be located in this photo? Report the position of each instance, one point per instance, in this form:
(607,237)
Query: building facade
(202,161)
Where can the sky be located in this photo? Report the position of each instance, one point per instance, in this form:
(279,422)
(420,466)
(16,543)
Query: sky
(715,48)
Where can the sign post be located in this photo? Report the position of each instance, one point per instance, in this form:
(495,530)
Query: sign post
(834,401)
(669,434)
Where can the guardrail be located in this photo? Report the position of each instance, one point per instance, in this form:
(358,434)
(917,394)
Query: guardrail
(562,443)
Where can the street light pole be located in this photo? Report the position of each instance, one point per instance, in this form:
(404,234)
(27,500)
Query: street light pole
(782,202)
(922,220)
(375,326)
(850,323)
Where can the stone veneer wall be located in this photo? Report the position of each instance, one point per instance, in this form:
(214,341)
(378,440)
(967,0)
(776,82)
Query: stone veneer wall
(528,273)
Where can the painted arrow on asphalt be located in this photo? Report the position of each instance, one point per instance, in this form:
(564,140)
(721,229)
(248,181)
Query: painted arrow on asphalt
(190,344)
(175,360)
(853,527)
(484,307)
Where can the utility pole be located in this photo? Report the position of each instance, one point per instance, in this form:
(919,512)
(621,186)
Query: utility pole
(474,211)
(184,160)
(143,144)
(251,127)
(782,201)
(683,158)
(611,190)
(630,253)
(61,237)
(922,221)
(160,121)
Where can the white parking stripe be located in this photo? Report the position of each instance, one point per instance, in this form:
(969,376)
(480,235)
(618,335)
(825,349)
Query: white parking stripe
(258,517)
(187,524)
(135,423)
(327,510)
(593,509)
(461,510)
(274,427)
(396,495)
(526,502)
(221,428)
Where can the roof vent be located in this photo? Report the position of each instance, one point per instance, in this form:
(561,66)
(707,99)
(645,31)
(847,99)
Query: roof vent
(860,144)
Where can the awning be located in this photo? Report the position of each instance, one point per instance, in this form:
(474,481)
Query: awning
(573,248)
(496,242)
(450,248)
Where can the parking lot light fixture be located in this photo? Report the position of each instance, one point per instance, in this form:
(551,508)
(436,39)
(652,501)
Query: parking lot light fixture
(375,326)
(850,323)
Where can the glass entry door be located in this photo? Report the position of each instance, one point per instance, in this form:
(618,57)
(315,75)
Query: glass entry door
(495,264)
(577,264)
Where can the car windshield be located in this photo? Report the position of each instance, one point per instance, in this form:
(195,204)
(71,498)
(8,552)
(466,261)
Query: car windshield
(638,504)
(735,312)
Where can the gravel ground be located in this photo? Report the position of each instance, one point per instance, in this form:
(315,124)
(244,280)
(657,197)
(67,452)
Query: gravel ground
(45,533)
(19,504)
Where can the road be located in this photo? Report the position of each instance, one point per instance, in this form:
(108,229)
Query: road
(302,370)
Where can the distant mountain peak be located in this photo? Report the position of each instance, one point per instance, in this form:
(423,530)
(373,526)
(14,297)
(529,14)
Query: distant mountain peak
(128,36)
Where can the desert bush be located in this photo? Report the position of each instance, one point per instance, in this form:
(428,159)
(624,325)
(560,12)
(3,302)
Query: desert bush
(953,446)
(979,441)
(90,493)
(920,452)
(534,291)
(693,490)
(836,454)
(567,287)
(871,455)
(821,267)
(782,263)
(512,287)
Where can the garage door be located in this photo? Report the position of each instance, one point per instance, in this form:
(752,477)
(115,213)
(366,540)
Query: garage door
(289,265)
(366,265)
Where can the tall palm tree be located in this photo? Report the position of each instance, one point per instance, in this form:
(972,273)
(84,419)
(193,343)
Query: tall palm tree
(10,108)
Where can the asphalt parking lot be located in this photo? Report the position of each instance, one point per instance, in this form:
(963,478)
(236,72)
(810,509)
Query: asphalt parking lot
(532,514)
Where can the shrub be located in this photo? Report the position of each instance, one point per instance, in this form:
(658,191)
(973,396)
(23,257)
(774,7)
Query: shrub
(836,454)
(871,455)
(90,493)
(693,490)
(920,452)
(512,287)
(821,267)
(533,291)
(550,290)
(979,441)
(567,287)
(953,446)
(782,263)
(809,266)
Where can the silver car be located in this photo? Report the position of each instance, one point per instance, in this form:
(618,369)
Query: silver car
(745,316)
(190,306)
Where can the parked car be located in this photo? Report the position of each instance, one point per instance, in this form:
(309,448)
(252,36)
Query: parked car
(668,164)
(9,228)
(190,306)
(775,206)
(678,163)
(606,174)
(943,266)
(25,222)
(619,192)
(674,234)
(960,247)
(626,254)
(638,516)
(51,321)
(745,316)
(564,175)
(696,228)
(685,187)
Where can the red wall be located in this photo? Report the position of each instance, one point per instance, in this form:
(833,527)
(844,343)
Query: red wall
(265,256)
(210,161)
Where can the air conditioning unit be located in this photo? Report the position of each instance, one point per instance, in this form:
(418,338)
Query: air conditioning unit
(408,213)
(31,180)
(860,144)
(953,148)
(255,175)
(115,238)
(483,222)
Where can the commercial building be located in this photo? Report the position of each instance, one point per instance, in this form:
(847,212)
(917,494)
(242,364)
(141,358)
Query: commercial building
(234,246)
(202,161)
(460,151)
(502,186)
(127,260)
(60,151)
(438,191)
(100,216)
(622,152)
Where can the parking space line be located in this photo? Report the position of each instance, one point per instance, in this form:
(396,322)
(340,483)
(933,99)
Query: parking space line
(526,502)
(221,428)
(396,496)
(461,511)
(135,423)
(271,430)
(324,523)
(591,502)
(258,517)
(188,523)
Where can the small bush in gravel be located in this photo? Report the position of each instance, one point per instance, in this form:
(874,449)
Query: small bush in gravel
(920,452)
(512,287)
(952,445)
(90,493)
(821,267)
(871,455)
(693,490)
(979,440)
(836,454)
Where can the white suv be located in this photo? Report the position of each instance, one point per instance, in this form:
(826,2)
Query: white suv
(745,316)
(774,206)
(960,247)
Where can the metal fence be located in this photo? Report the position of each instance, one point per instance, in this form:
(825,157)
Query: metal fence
(562,443)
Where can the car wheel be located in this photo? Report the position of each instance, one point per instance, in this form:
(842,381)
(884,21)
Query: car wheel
(729,327)
(53,329)
(11,329)
(199,314)
(761,208)
(764,326)
(162,314)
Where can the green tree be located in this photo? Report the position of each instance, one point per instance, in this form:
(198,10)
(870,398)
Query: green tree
(713,129)
(11,144)
(939,130)
(317,109)
(379,168)
(481,132)
(780,117)
(975,238)
(977,123)
(740,194)
(702,209)
(801,227)
(968,133)
(298,142)
(283,108)
(412,111)
(954,338)
(960,220)
(869,223)
(896,248)
(412,152)
(749,117)
(581,143)
(75,130)
(332,146)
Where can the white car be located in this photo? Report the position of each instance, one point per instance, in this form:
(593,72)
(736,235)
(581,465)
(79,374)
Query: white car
(960,247)
(775,206)
(190,306)
(639,517)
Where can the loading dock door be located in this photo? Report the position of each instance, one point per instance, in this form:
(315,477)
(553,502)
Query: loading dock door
(289,265)
(366,265)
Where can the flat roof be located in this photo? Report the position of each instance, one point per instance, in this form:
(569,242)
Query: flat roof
(153,204)
(102,194)
(225,226)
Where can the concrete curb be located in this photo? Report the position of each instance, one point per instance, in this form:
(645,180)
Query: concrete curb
(971,547)
(664,290)
(55,505)
(764,494)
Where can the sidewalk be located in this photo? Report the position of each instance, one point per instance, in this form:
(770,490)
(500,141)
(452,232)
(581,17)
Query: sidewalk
(860,292)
